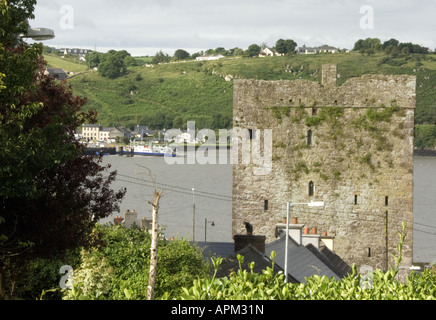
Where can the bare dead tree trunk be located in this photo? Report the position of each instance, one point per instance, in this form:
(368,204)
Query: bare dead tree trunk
(154,239)
(153,249)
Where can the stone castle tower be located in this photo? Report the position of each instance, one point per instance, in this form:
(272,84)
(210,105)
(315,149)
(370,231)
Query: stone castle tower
(350,146)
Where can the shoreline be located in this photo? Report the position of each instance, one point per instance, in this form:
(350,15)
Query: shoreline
(425,153)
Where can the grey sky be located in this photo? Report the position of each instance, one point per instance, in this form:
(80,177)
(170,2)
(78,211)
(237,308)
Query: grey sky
(145,26)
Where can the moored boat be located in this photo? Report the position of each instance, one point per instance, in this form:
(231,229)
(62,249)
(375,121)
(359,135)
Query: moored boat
(157,151)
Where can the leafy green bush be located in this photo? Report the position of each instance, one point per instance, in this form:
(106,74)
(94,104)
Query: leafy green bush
(425,137)
(118,268)
(247,285)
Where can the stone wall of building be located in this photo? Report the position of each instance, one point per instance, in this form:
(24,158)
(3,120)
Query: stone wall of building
(349,146)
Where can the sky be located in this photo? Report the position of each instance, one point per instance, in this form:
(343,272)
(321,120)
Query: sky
(144,27)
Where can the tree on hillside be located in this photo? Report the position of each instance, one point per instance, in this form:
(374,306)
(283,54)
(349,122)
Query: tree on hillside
(286,46)
(236,52)
(253,50)
(112,64)
(221,50)
(93,59)
(181,54)
(161,57)
(51,194)
(392,42)
(367,44)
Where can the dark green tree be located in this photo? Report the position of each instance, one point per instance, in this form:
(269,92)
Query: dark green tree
(253,50)
(392,42)
(93,59)
(51,194)
(368,43)
(181,54)
(112,64)
(286,46)
(161,57)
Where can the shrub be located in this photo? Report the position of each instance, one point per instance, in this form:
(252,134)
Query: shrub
(247,285)
(118,268)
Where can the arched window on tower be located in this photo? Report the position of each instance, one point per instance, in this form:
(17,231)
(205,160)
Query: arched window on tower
(311,189)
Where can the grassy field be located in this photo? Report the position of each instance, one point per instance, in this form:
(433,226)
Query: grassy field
(68,64)
(168,95)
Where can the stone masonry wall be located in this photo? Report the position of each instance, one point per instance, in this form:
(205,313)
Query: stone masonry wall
(349,146)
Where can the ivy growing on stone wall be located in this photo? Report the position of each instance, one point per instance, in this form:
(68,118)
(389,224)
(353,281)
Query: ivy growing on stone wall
(375,122)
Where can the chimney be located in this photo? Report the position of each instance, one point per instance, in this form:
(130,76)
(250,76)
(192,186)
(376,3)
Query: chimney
(130,218)
(295,230)
(312,237)
(242,240)
(146,224)
(328,241)
(118,220)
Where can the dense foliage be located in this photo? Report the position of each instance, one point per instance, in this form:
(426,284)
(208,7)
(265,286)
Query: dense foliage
(425,137)
(118,267)
(378,285)
(247,285)
(117,270)
(391,47)
(51,194)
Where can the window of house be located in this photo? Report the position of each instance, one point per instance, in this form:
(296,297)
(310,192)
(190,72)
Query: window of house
(386,201)
(265,205)
(355,199)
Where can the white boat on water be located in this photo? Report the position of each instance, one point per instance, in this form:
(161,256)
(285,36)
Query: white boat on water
(158,151)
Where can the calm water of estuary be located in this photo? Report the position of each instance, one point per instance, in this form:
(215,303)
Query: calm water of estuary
(213,193)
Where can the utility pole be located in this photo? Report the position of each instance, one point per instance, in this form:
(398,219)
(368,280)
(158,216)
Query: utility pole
(193,215)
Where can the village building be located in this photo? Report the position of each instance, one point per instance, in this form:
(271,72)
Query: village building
(269,52)
(316,50)
(95,132)
(56,73)
(209,57)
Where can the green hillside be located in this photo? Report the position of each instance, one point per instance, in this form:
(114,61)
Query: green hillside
(168,95)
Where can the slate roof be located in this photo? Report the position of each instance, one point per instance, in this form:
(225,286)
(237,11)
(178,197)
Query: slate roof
(302,262)
(57,73)
(216,249)
(250,254)
(341,267)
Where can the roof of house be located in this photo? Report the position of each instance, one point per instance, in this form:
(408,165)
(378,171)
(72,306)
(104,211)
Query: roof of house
(340,267)
(302,262)
(250,254)
(326,47)
(216,249)
(58,73)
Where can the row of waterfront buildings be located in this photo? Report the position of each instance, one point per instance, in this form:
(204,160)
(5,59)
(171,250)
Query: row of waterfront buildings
(96,132)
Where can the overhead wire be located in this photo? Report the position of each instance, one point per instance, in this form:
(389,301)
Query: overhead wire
(174,188)
(215,196)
